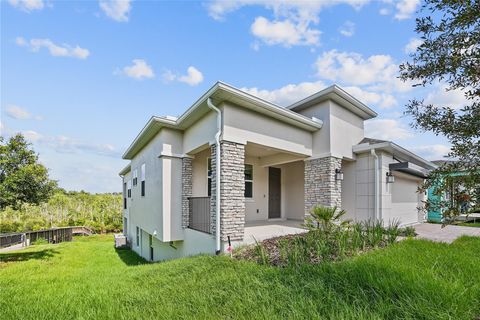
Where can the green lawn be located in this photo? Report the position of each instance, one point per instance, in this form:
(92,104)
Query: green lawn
(469,224)
(88,279)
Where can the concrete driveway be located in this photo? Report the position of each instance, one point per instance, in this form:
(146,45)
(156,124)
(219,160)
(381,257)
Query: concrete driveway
(448,234)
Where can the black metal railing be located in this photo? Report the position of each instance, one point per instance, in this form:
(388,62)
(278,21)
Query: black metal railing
(199,214)
(54,235)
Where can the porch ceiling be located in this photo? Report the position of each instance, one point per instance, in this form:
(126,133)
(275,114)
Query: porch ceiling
(271,156)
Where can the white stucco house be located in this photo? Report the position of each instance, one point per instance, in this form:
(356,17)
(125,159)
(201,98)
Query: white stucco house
(275,164)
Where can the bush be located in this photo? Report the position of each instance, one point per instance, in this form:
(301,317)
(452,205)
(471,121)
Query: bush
(101,212)
(327,239)
(408,232)
(39,242)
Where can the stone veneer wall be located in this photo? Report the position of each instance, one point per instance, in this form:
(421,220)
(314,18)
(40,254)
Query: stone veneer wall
(232,190)
(186,189)
(321,188)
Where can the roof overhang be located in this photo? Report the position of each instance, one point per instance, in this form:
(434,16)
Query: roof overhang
(125,170)
(408,168)
(396,150)
(340,96)
(219,93)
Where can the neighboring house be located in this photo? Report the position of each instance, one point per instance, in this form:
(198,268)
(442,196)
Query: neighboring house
(275,164)
(455,195)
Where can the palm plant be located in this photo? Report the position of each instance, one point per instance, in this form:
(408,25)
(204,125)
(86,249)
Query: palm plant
(325,219)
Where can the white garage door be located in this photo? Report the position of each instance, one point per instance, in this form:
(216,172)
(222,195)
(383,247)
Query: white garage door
(405,200)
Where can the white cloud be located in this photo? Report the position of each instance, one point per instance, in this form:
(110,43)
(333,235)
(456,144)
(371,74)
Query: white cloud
(292,93)
(286,32)
(96,174)
(27,5)
(19,113)
(441,97)
(55,50)
(192,78)
(139,70)
(288,94)
(307,9)
(405,9)
(32,136)
(384,11)
(347,29)
(432,152)
(386,129)
(412,45)
(63,144)
(382,100)
(118,10)
(380,72)
(292,19)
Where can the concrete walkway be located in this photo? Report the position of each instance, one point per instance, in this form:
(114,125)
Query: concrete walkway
(262,230)
(435,232)
(12,248)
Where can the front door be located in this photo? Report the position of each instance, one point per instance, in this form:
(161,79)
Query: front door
(274,192)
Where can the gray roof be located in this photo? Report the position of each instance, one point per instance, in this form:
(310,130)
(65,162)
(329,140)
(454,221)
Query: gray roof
(372,141)
(442,162)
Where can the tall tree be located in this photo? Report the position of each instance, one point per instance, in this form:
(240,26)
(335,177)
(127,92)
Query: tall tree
(22,178)
(449,55)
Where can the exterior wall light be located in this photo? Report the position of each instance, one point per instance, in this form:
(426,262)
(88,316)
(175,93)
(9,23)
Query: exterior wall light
(390,177)
(338,175)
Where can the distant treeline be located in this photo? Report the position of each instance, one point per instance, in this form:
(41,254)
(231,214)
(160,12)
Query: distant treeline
(101,212)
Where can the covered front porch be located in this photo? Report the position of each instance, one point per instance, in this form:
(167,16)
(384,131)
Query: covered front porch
(263,192)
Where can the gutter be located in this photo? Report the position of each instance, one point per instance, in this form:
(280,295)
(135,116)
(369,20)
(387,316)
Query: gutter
(217,174)
(376,186)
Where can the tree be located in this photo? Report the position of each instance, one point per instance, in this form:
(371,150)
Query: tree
(22,178)
(449,55)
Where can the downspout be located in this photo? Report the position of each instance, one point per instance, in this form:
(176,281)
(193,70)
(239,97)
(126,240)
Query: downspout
(376,192)
(217,174)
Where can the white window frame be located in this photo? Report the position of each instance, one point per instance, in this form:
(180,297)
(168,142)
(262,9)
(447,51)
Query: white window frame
(135,177)
(137,236)
(142,179)
(249,180)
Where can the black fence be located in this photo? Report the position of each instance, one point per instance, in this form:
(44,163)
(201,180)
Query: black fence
(199,214)
(9,239)
(55,235)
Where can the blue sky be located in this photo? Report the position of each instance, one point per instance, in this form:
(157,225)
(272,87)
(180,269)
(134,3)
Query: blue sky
(80,79)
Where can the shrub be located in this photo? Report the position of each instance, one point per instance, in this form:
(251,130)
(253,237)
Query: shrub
(327,239)
(39,241)
(408,232)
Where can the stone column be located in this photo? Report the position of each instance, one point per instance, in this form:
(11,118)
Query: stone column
(321,188)
(186,189)
(232,190)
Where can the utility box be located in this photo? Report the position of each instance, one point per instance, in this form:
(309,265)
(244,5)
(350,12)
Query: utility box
(120,241)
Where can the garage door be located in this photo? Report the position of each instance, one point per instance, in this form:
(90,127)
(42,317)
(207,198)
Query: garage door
(405,200)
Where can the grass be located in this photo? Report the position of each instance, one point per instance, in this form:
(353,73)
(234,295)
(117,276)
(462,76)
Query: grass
(89,279)
(469,224)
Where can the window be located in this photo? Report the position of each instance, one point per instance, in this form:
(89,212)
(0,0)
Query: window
(248,181)
(138,236)
(129,188)
(150,241)
(124,195)
(209,176)
(125,226)
(135,177)
(143,179)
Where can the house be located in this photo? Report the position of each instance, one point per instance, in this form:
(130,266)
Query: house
(274,164)
(455,196)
